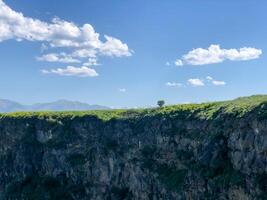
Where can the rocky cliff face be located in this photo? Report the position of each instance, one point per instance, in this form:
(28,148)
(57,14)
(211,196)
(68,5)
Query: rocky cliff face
(173,155)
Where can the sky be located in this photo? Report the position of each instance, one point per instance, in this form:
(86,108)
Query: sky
(132,53)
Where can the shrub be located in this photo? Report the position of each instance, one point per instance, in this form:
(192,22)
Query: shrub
(161,103)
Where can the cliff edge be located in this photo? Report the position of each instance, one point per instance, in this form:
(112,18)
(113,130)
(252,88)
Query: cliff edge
(196,151)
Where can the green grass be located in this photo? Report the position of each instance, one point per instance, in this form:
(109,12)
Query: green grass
(237,107)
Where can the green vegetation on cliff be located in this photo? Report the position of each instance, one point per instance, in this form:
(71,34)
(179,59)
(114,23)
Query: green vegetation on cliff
(238,107)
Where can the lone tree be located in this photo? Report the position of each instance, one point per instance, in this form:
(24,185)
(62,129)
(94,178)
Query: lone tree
(161,103)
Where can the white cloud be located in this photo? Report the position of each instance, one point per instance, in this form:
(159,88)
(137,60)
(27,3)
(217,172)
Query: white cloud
(62,58)
(215,54)
(196,82)
(218,83)
(215,82)
(24,28)
(173,84)
(167,63)
(209,78)
(72,71)
(91,62)
(58,33)
(122,90)
(114,47)
(83,41)
(179,62)
(85,53)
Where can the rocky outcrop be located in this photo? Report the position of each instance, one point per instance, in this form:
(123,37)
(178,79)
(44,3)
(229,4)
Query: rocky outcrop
(178,155)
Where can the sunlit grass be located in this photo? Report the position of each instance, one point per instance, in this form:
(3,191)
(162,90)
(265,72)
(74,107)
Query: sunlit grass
(238,107)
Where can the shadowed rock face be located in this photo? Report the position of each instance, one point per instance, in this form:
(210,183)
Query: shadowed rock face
(178,156)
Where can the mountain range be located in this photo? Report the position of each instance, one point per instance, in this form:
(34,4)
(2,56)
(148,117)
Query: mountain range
(60,105)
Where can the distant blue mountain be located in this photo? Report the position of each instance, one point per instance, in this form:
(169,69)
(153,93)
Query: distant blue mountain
(61,105)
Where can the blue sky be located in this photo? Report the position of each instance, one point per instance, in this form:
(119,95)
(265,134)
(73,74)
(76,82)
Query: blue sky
(136,67)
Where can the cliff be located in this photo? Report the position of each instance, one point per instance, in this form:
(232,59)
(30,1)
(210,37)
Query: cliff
(201,151)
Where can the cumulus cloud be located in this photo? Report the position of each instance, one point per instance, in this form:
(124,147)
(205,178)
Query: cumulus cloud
(91,62)
(58,33)
(85,53)
(14,25)
(174,84)
(179,62)
(215,54)
(215,82)
(196,82)
(62,58)
(83,41)
(72,71)
(114,47)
